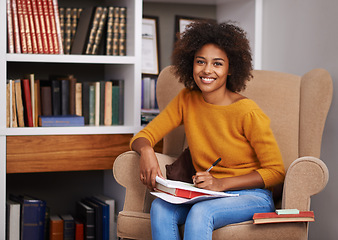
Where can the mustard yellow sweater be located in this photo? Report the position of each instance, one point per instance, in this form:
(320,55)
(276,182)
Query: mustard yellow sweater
(238,133)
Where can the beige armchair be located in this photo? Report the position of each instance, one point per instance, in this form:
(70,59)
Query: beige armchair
(297,107)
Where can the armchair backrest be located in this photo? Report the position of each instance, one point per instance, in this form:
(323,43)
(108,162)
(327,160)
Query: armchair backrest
(296,105)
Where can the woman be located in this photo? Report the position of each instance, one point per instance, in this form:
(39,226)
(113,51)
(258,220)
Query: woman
(214,63)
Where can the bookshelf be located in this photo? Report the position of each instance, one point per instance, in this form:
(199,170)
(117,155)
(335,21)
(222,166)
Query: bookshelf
(64,149)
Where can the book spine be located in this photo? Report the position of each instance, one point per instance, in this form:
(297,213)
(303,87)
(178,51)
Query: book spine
(32,89)
(62,26)
(21,22)
(108,104)
(57,25)
(14,120)
(48,26)
(61,121)
(56,97)
(78,230)
(78,99)
(8,105)
(115,104)
(116,23)
(97,103)
(68,30)
(93,30)
(10,34)
(52,19)
(16,29)
(109,31)
(28,103)
(122,31)
(19,105)
(99,31)
(27,27)
(42,22)
(56,228)
(72,95)
(74,15)
(37,26)
(85,101)
(46,101)
(32,26)
(91,104)
(65,97)
(13,220)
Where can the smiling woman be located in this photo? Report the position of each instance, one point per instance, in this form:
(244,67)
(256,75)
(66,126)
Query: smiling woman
(214,62)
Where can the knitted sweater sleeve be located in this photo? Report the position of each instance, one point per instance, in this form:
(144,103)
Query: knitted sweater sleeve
(258,132)
(162,124)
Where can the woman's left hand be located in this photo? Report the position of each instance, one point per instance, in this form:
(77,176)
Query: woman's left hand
(206,181)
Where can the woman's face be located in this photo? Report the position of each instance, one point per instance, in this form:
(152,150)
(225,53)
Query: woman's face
(211,68)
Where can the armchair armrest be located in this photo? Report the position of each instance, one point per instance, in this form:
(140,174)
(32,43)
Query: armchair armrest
(126,172)
(305,177)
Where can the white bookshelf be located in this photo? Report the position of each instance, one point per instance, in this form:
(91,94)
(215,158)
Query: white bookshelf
(127,68)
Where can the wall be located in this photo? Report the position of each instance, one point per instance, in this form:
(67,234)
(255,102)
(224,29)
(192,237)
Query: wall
(297,37)
(166,13)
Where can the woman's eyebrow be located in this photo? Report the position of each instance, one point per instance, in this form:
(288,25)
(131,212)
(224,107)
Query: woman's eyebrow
(215,59)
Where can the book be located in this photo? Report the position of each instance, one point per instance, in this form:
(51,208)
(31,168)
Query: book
(78,99)
(82,31)
(12,220)
(21,24)
(16,29)
(105,218)
(10,33)
(55,228)
(78,230)
(27,103)
(53,28)
(61,121)
(46,99)
(19,104)
(68,227)
(55,5)
(86,215)
(27,26)
(48,26)
(108,103)
(111,203)
(85,101)
(109,37)
(68,30)
(98,216)
(32,89)
(32,26)
(65,98)
(43,27)
(122,31)
(56,97)
(37,26)
(185,190)
(99,31)
(273,217)
(93,30)
(33,212)
(116,24)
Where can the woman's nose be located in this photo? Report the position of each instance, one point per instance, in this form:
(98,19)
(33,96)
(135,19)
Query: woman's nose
(207,68)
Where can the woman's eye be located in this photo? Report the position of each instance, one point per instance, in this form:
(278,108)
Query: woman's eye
(200,61)
(218,64)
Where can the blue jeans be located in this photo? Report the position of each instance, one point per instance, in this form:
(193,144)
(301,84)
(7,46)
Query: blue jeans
(202,218)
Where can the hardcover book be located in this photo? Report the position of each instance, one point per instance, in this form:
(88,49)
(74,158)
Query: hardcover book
(86,215)
(61,121)
(55,228)
(273,217)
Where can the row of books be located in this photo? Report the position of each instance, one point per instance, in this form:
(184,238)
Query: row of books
(62,101)
(29,218)
(41,27)
(33,26)
(149,107)
(99,30)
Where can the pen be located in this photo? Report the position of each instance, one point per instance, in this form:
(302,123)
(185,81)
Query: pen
(214,164)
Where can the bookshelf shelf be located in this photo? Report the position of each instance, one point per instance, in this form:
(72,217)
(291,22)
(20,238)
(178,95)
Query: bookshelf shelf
(80,59)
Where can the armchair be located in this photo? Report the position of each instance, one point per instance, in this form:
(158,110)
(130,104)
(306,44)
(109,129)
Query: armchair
(297,107)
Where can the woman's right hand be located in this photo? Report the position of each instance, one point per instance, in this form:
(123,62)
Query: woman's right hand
(149,167)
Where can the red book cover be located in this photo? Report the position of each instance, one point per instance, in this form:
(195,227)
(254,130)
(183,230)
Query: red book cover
(27,102)
(48,26)
(21,22)
(53,26)
(27,27)
(187,193)
(32,26)
(37,26)
(16,29)
(78,230)
(273,217)
(42,26)
(10,34)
